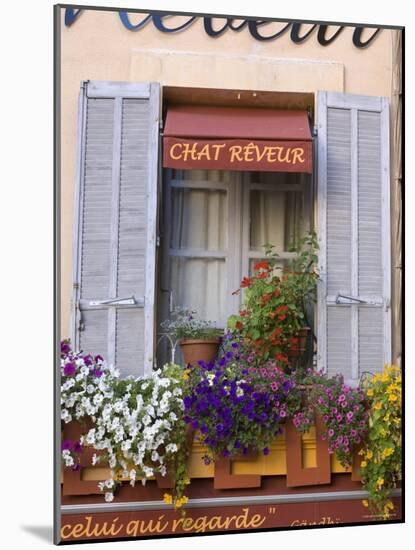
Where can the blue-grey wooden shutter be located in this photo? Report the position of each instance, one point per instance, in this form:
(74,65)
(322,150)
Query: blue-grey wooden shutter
(354,330)
(115,223)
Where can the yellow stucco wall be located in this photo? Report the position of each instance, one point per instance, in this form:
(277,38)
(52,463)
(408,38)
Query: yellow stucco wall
(99,47)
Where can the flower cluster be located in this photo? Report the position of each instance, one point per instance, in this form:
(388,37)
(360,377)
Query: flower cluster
(381,466)
(86,384)
(343,410)
(71,451)
(235,406)
(138,423)
(274,306)
(140,430)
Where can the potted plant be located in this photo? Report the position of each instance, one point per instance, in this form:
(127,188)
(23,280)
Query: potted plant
(198,339)
(272,319)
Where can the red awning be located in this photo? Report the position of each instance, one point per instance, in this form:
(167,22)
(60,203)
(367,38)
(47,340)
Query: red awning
(234,138)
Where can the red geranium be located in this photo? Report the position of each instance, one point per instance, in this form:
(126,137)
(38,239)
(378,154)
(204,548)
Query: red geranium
(246,281)
(261,265)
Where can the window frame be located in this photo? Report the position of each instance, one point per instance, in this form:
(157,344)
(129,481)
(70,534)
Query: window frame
(238,254)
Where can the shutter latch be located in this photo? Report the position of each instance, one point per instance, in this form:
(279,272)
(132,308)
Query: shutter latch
(341,297)
(128,301)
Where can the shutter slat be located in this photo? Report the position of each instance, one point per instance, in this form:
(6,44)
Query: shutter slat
(338,201)
(96,207)
(129,350)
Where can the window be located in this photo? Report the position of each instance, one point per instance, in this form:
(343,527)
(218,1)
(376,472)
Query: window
(215,226)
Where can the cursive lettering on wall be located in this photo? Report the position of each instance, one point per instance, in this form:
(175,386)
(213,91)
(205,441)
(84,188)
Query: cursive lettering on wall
(217,26)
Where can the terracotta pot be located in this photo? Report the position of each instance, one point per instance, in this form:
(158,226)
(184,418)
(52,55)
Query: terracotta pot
(296,350)
(199,350)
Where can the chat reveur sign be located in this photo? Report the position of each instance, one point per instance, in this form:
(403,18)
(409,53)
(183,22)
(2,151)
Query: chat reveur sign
(237,154)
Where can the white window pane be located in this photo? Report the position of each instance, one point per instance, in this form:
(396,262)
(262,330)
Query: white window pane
(276,217)
(199,219)
(200,284)
(223,176)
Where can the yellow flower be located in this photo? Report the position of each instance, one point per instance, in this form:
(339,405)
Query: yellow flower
(369,455)
(380,481)
(180,501)
(388,451)
(377,405)
(393,397)
(369,392)
(363,464)
(186,374)
(187,481)
(168,499)
(365,503)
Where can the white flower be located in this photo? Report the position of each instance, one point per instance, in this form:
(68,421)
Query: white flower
(171,448)
(148,472)
(155,456)
(125,445)
(109,483)
(90,437)
(95,459)
(146,420)
(98,399)
(109,497)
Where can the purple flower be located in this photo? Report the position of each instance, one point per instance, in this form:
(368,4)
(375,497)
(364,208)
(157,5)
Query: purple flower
(65,347)
(341,398)
(286,386)
(88,360)
(235,345)
(69,369)
(331,432)
(283,413)
(76,467)
(97,372)
(66,445)
(206,460)
(204,429)
(325,418)
(265,450)
(77,447)
(349,415)
(98,358)
(226,452)
(195,424)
